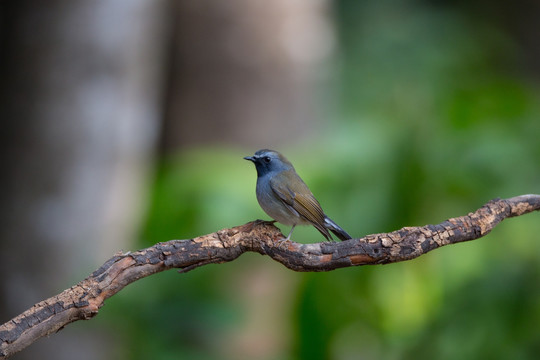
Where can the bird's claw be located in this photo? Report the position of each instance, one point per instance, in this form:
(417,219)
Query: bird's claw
(281,242)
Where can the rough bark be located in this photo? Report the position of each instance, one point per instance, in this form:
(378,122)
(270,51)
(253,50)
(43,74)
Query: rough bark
(84,300)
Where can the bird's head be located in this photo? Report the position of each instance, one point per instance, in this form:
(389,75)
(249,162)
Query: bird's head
(267,161)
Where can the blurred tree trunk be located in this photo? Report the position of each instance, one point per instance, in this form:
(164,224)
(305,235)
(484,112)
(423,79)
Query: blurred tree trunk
(80,97)
(519,19)
(247,72)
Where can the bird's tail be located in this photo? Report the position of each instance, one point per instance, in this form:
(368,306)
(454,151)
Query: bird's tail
(333,227)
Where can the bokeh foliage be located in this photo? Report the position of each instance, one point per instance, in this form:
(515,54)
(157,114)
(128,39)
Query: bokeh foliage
(434,121)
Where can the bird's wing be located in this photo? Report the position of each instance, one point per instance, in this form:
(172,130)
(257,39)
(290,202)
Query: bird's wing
(290,188)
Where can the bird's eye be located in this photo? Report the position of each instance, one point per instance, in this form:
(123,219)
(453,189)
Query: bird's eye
(266,159)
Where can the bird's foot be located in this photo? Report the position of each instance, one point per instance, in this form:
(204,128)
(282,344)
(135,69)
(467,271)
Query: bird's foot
(283,242)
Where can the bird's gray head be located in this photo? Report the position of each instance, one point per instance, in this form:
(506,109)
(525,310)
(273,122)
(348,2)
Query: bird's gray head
(267,161)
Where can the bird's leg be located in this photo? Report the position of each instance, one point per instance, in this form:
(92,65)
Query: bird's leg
(290,233)
(282,241)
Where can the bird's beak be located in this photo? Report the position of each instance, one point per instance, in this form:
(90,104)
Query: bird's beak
(250,158)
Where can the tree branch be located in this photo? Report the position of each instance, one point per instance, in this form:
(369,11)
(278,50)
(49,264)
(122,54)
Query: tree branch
(82,301)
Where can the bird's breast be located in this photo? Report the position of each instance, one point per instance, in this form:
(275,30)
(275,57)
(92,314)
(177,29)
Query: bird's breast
(273,206)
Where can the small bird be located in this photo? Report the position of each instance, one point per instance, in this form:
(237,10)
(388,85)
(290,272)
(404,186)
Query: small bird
(283,195)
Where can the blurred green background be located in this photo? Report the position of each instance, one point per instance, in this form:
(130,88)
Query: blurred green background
(426,111)
(432,122)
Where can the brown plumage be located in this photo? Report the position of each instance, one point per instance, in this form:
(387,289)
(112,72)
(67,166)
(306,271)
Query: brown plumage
(292,190)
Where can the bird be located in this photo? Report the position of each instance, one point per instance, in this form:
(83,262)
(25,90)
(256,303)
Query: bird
(286,198)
